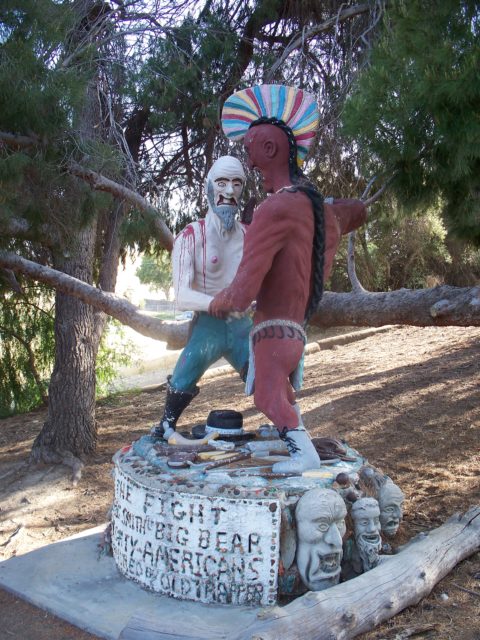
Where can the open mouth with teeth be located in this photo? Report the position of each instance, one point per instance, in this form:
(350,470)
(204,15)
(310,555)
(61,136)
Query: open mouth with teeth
(230,201)
(372,538)
(330,563)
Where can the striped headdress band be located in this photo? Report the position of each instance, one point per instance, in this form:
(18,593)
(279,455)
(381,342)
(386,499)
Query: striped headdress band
(295,107)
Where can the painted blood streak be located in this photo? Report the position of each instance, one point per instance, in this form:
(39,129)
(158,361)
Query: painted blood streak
(204,253)
(188,246)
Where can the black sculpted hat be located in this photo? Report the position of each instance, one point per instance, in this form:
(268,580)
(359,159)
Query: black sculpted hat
(226,422)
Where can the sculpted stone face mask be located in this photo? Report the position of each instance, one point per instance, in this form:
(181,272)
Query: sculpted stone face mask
(391,500)
(320,516)
(366,521)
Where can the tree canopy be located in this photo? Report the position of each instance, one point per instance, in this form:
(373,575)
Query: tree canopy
(157,272)
(413,113)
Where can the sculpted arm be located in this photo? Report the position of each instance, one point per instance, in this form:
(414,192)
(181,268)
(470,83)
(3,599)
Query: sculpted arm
(341,217)
(264,238)
(185,279)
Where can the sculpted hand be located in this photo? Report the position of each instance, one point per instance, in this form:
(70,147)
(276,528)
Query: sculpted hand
(216,309)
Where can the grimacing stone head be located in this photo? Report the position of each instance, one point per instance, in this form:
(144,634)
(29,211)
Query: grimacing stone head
(320,516)
(390,499)
(224,186)
(365,514)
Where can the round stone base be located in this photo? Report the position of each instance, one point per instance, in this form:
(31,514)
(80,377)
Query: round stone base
(214,534)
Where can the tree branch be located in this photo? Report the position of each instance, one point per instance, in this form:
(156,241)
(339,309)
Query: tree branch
(302,37)
(21,228)
(174,333)
(9,279)
(258,18)
(357,286)
(98,182)
(101,183)
(440,306)
(377,194)
(13,140)
(351,269)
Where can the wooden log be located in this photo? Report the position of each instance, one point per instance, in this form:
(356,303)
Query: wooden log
(357,606)
(174,333)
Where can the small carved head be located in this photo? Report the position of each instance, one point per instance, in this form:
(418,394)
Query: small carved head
(366,524)
(390,499)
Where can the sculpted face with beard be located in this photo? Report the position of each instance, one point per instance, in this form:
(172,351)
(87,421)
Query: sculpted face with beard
(224,188)
(320,515)
(366,523)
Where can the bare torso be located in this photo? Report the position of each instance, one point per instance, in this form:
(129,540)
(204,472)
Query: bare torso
(276,266)
(205,260)
(285,289)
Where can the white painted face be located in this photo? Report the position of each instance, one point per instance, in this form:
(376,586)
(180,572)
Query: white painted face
(224,186)
(320,515)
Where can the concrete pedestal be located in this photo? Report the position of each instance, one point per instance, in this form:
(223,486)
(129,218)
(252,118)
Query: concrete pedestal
(222,535)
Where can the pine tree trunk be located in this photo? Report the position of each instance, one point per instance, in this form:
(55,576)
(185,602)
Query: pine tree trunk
(70,425)
(70,429)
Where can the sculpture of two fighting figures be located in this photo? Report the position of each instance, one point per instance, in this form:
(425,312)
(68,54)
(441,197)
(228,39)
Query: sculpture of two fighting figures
(291,231)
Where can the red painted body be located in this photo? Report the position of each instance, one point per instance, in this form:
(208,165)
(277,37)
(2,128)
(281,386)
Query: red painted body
(276,268)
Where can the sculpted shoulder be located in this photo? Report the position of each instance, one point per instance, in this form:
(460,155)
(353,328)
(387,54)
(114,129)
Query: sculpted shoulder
(285,204)
(191,231)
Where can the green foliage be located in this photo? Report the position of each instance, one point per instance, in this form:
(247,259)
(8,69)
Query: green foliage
(181,83)
(394,250)
(42,98)
(415,110)
(156,270)
(115,351)
(406,251)
(185,73)
(26,348)
(35,95)
(45,73)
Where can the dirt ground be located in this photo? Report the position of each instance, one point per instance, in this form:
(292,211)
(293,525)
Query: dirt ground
(407,399)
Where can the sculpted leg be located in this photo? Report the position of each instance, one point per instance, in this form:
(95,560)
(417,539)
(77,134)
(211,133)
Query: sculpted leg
(237,343)
(205,346)
(274,396)
(176,402)
(274,361)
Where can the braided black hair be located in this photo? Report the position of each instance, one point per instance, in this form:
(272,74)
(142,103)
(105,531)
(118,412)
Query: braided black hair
(301,183)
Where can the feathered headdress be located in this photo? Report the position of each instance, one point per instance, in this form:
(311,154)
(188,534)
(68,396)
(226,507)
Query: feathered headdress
(295,107)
